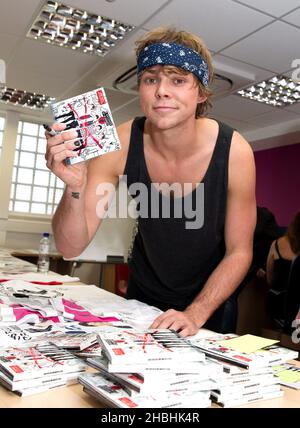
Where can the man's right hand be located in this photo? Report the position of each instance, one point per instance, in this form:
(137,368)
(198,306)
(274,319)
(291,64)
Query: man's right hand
(60,147)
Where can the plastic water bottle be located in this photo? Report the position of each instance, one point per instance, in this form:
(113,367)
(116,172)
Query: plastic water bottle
(44,249)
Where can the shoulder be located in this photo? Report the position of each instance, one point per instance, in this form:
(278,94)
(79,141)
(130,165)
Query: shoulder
(285,246)
(240,147)
(283,242)
(241,161)
(272,255)
(273,246)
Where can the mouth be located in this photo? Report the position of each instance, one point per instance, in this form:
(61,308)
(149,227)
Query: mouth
(164,108)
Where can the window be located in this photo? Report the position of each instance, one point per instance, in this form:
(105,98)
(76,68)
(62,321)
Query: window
(2,123)
(34,190)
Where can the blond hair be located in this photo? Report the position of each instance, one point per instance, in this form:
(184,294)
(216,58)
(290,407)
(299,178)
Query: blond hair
(171,35)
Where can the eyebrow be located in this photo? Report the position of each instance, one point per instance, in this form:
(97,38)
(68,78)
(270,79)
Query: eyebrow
(151,71)
(169,72)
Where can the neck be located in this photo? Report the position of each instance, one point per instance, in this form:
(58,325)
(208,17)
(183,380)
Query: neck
(176,142)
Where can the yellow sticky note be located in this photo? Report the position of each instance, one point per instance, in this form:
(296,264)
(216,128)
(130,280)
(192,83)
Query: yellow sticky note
(247,343)
(289,376)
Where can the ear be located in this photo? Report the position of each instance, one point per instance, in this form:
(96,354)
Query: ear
(201,98)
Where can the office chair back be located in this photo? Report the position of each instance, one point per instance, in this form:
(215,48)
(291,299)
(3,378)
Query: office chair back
(293,294)
(283,302)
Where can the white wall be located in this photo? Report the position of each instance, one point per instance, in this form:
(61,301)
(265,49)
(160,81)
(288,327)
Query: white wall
(17,231)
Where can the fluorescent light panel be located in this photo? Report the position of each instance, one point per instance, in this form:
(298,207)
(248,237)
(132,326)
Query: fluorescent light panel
(77,29)
(279,91)
(25,99)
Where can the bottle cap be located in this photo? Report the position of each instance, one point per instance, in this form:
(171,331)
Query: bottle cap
(46,234)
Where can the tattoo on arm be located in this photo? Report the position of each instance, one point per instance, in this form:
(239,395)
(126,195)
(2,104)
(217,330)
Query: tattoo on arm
(75,195)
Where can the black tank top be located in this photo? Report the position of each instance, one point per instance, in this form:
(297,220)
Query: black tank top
(170,263)
(281,270)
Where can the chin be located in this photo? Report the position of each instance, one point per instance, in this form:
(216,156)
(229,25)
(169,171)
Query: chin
(164,122)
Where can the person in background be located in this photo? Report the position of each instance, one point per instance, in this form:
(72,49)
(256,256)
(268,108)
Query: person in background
(186,265)
(266,231)
(282,252)
(281,255)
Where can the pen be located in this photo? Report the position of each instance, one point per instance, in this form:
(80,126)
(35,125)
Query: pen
(49,130)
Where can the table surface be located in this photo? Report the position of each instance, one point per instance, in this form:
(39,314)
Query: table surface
(34,253)
(74,397)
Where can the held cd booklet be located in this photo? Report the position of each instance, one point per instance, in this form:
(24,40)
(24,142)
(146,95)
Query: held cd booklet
(89,114)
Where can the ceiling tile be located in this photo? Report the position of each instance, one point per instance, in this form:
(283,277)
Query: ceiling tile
(273,7)
(116,98)
(295,108)
(54,60)
(238,108)
(238,125)
(8,44)
(203,17)
(36,82)
(259,48)
(29,114)
(128,11)
(272,118)
(293,18)
(127,112)
(16,15)
(223,63)
(112,66)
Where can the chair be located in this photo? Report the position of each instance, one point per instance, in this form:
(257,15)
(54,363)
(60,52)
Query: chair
(121,279)
(282,304)
(293,295)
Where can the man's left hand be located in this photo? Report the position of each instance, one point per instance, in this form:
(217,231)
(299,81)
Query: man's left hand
(176,320)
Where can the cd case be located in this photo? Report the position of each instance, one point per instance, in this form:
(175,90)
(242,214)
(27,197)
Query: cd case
(89,114)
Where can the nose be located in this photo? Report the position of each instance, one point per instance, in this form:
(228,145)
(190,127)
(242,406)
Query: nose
(162,89)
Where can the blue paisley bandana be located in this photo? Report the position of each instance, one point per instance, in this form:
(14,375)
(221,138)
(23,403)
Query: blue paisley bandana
(174,54)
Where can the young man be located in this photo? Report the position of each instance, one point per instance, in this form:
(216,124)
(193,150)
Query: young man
(188,270)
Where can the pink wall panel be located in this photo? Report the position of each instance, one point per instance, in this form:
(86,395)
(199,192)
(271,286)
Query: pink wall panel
(278,181)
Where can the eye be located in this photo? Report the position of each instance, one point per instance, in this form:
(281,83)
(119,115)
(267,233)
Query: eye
(149,80)
(178,81)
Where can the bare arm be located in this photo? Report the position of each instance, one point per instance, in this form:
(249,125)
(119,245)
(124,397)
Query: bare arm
(78,215)
(76,219)
(69,224)
(239,227)
(270,264)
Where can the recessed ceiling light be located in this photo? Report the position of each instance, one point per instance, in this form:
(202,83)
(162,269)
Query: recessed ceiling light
(77,29)
(279,91)
(25,99)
